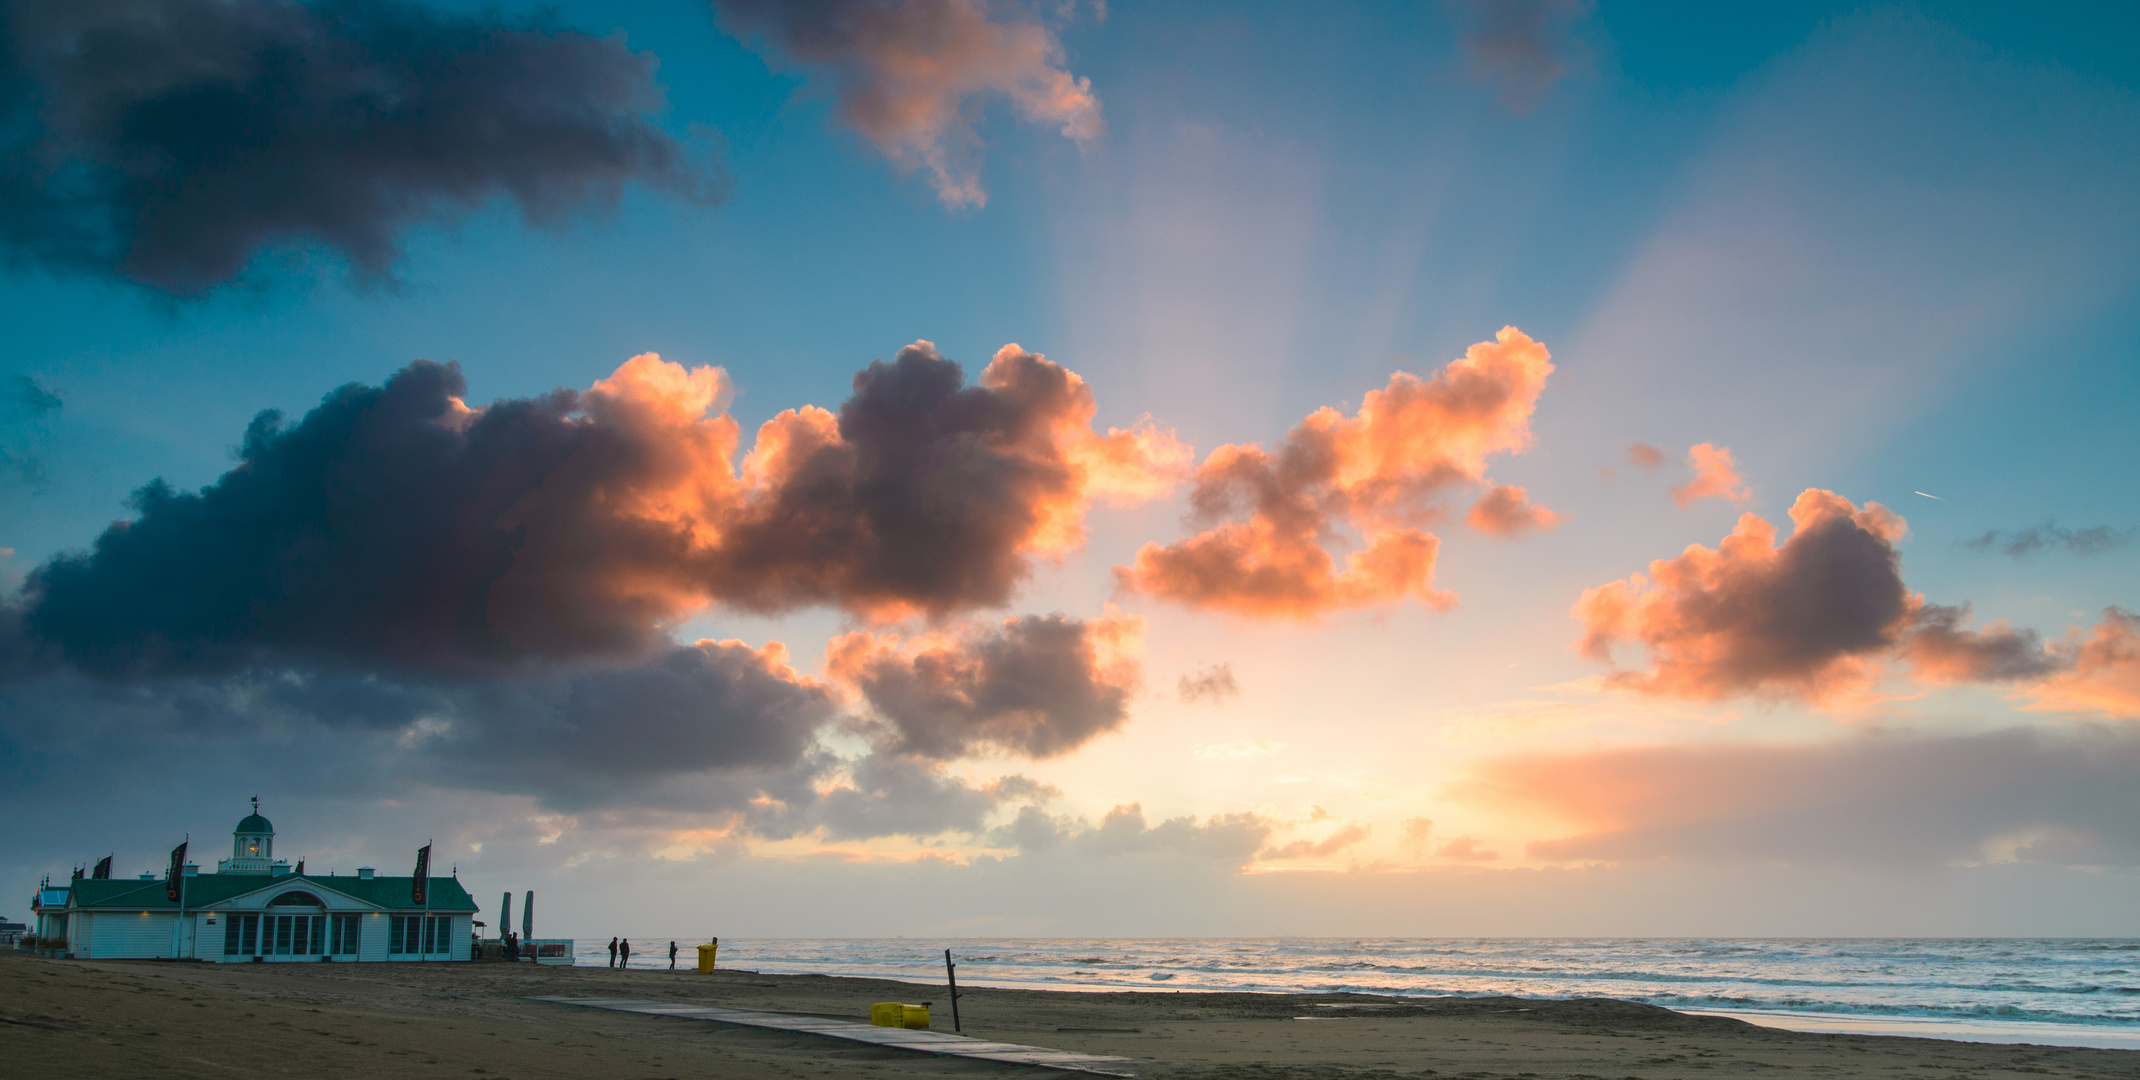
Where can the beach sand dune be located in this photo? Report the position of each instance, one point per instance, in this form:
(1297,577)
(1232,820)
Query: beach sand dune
(62,1019)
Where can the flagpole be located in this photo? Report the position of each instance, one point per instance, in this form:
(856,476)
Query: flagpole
(425,956)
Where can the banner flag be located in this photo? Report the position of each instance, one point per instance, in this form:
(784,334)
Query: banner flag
(421,886)
(178,872)
(103,870)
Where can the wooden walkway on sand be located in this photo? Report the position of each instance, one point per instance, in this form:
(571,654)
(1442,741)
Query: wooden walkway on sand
(926,1042)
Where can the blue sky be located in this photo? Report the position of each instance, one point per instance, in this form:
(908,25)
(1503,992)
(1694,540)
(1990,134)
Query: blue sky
(1877,250)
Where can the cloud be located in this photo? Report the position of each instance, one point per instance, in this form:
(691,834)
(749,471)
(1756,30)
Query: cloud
(1270,516)
(396,527)
(167,143)
(2021,543)
(26,402)
(906,74)
(1519,47)
(1036,686)
(1645,456)
(1222,840)
(1884,800)
(22,396)
(2104,676)
(1417,831)
(1465,849)
(1238,750)
(893,795)
(1752,617)
(1715,477)
(1214,684)
(1941,651)
(927,496)
(1507,511)
(1316,849)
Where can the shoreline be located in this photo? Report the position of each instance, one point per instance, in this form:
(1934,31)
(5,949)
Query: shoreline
(2023,1032)
(71,1018)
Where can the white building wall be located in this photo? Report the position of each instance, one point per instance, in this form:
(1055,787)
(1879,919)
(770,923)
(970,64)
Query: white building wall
(127,935)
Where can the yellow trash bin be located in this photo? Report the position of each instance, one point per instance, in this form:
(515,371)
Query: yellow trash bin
(895,1014)
(705,956)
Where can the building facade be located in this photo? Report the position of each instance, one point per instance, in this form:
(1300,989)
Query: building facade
(254,909)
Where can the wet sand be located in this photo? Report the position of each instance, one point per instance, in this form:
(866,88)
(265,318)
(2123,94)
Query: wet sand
(69,1018)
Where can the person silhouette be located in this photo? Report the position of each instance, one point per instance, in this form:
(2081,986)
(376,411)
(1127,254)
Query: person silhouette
(624,953)
(612,952)
(672,956)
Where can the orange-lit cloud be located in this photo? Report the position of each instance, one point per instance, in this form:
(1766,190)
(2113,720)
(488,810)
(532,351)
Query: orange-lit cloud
(1644,456)
(905,71)
(1316,849)
(1796,620)
(397,527)
(1715,477)
(1035,686)
(2105,673)
(1385,471)
(1507,511)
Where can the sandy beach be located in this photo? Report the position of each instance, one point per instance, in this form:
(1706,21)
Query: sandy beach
(63,1018)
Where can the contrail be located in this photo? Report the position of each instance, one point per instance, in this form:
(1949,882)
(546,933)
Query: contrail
(1934,498)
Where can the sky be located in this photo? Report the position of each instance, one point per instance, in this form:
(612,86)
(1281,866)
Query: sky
(953,468)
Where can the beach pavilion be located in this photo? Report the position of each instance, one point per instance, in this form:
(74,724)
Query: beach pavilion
(255,909)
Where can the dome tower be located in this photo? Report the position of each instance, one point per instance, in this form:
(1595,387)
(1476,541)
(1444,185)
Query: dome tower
(252,846)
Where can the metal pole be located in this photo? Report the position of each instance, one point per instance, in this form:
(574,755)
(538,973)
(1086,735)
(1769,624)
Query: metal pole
(951,972)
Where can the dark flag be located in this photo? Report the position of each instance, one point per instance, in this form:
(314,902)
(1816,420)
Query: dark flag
(300,868)
(77,873)
(422,884)
(178,872)
(103,870)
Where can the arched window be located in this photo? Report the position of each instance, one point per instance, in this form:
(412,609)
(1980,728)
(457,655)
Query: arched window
(291,899)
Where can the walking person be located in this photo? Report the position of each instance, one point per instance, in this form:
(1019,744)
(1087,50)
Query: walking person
(624,953)
(612,952)
(672,956)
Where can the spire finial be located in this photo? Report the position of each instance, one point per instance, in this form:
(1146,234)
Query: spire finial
(256,804)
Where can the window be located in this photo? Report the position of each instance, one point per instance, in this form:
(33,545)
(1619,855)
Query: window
(249,937)
(409,935)
(230,935)
(282,934)
(345,934)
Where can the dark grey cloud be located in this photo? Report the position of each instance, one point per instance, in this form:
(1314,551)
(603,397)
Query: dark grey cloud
(1214,684)
(1940,648)
(1038,686)
(2021,543)
(707,736)
(2022,794)
(25,407)
(368,535)
(930,495)
(167,143)
(394,527)
(1519,47)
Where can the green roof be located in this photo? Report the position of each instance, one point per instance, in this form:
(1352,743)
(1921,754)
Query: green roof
(255,823)
(204,890)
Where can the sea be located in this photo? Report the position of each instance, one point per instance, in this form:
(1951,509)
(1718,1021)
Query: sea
(2052,991)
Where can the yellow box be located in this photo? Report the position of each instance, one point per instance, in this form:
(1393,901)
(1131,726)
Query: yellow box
(705,957)
(894,1014)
